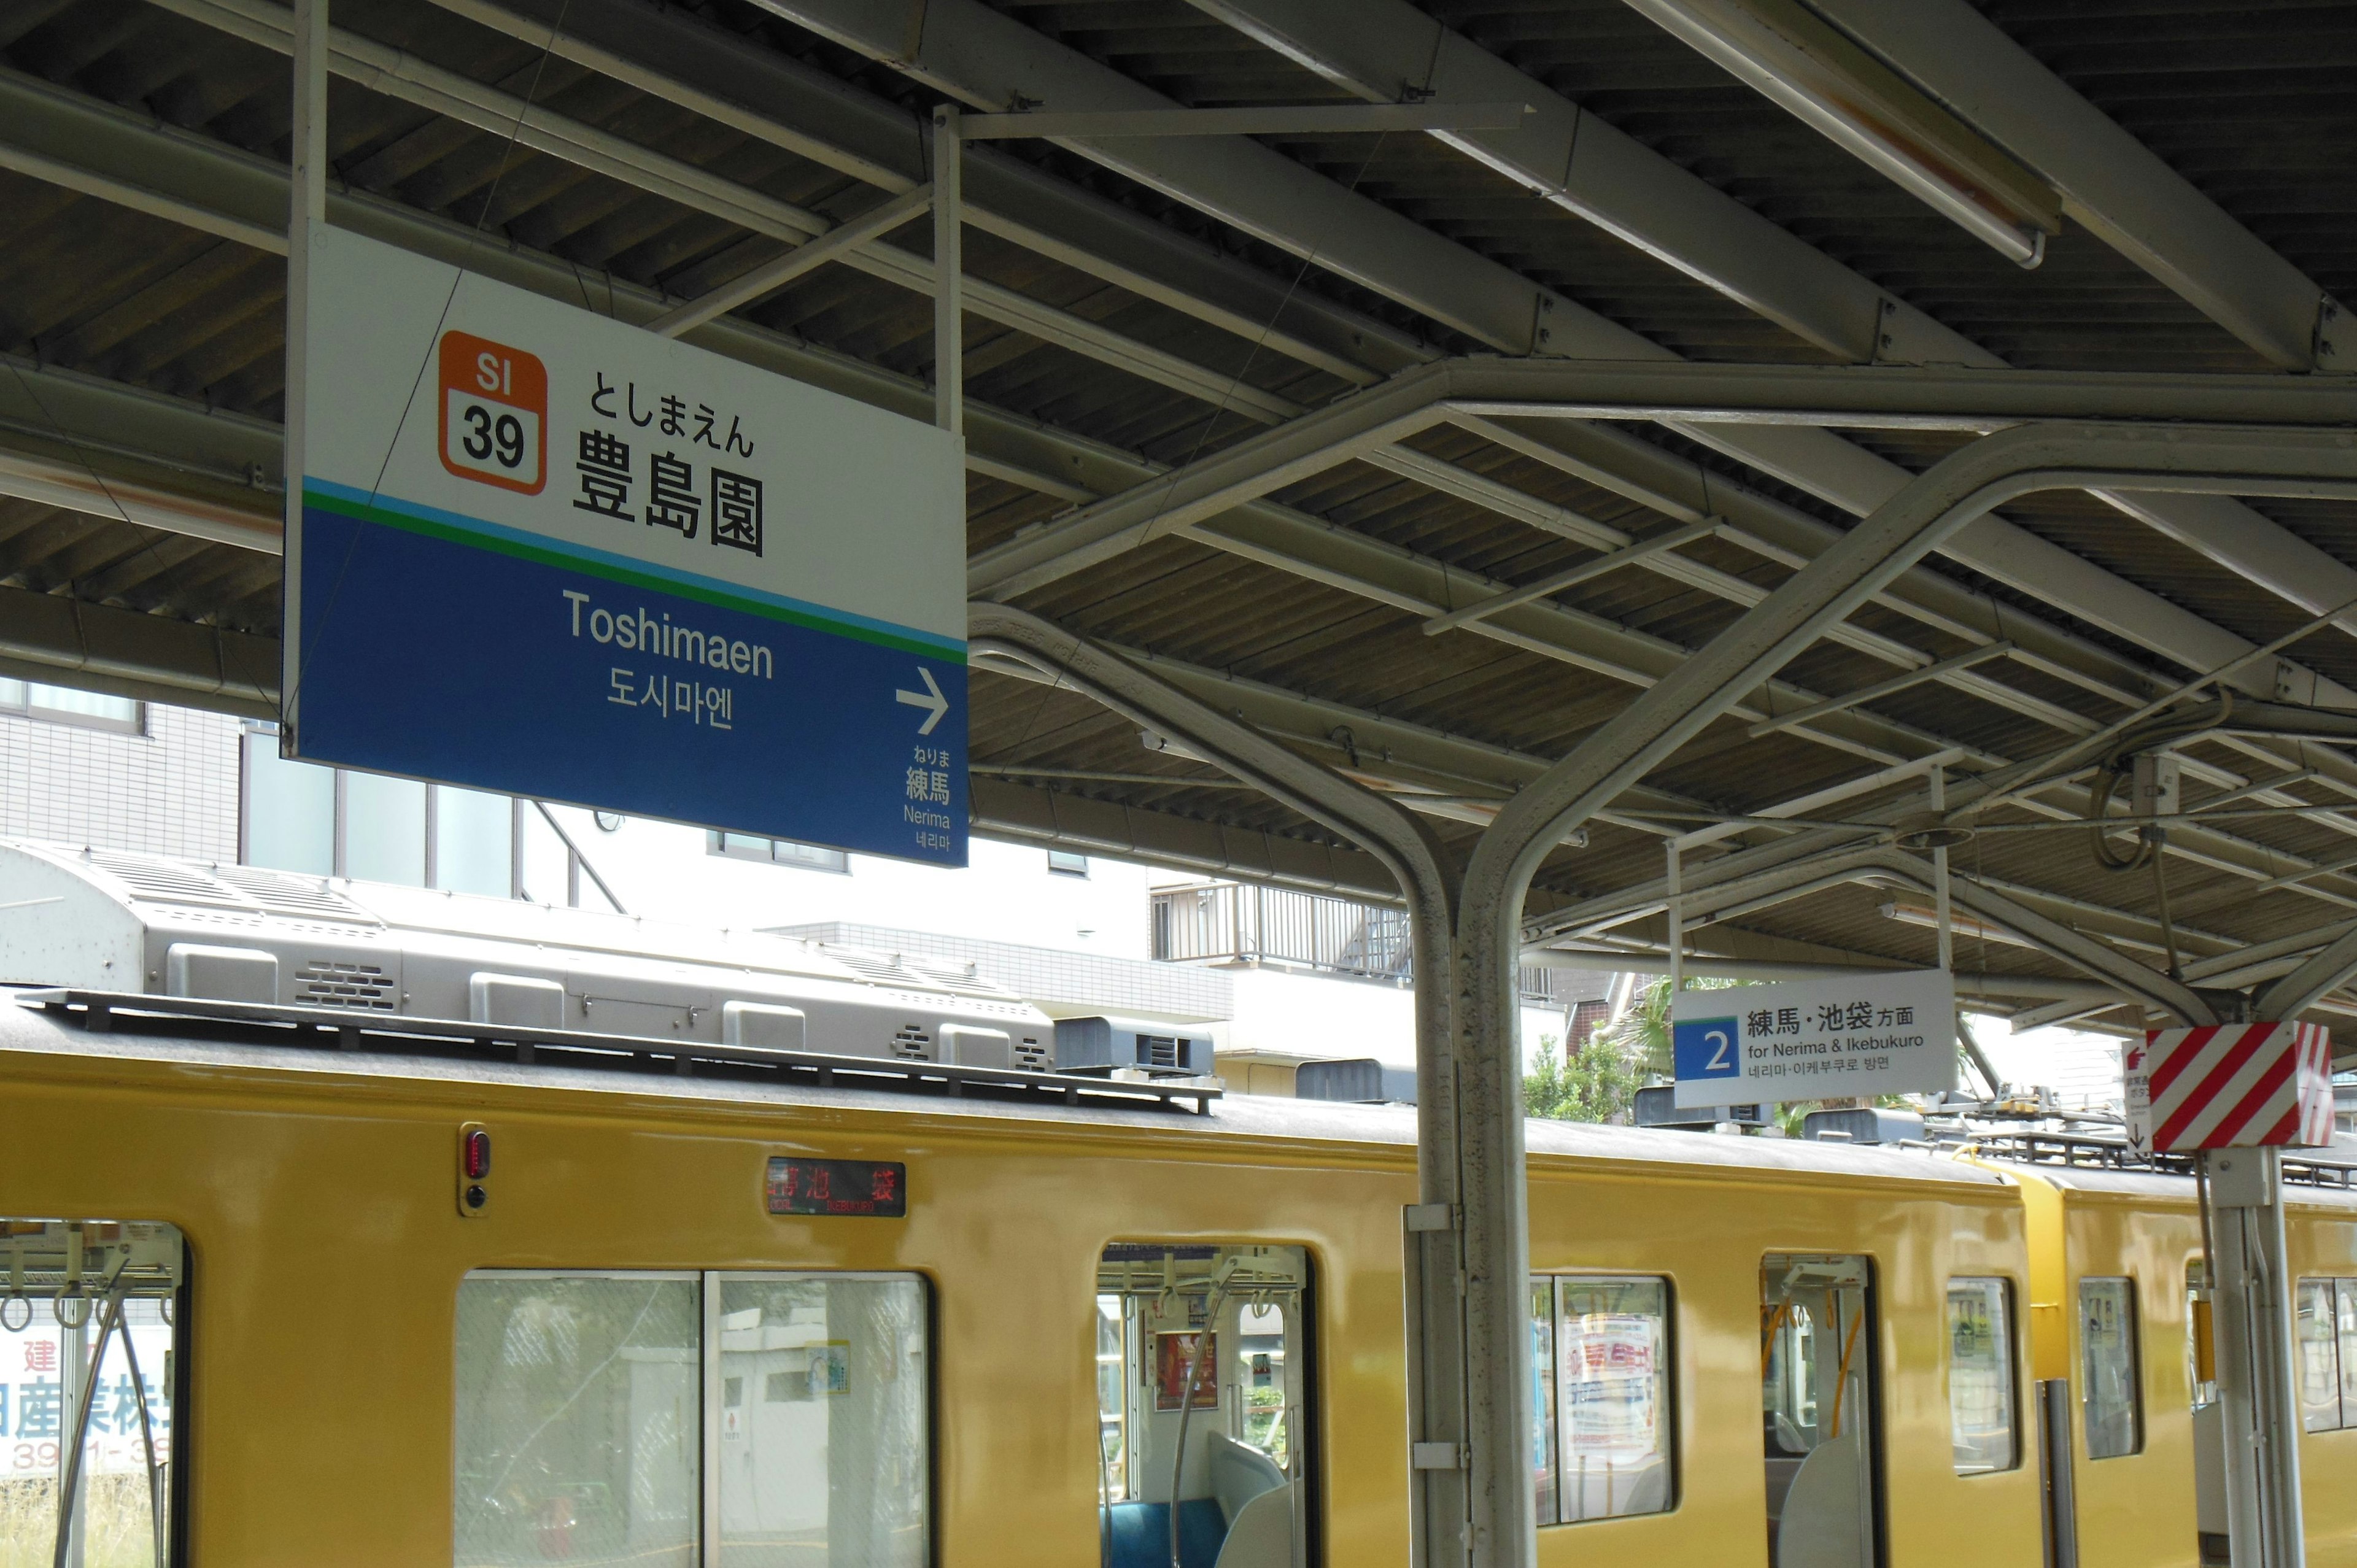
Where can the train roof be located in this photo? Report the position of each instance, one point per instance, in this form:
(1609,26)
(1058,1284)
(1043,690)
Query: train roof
(1383,1133)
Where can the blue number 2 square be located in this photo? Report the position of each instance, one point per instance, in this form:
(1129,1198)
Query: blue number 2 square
(1707,1047)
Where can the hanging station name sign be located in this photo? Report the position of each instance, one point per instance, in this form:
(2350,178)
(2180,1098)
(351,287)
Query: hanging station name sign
(1879,1033)
(544,552)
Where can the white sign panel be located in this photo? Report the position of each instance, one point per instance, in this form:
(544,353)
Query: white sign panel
(544,552)
(1878,1033)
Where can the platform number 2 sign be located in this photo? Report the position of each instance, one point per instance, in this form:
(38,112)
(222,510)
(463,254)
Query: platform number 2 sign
(1706,1047)
(494,413)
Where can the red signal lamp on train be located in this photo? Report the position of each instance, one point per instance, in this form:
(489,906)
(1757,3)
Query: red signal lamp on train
(474,1169)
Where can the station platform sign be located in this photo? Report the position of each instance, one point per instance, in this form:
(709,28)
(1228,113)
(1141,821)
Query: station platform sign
(1884,1032)
(544,552)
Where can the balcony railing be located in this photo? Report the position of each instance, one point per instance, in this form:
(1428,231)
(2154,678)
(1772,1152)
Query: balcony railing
(1229,922)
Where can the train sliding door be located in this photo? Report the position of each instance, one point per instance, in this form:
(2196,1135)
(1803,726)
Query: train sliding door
(1204,1361)
(1818,1409)
(90,1342)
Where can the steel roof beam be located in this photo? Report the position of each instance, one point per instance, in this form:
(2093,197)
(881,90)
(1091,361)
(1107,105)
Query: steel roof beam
(128,653)
(1385,50)
(2113,184)
(674,57)
(1419,398)
(1011,449)
(989,61)
(389,72)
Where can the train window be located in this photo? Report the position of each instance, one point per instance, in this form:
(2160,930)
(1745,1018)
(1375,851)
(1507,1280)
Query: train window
(2107,1349)
(92,1351)
(825,1457)
(2201,1359)
(2347,1293)
(2317,1332)
(1980,1376)
(1818,1409)
(1544,1464)
(1204,1356)
(1602,1348)
(675,1420)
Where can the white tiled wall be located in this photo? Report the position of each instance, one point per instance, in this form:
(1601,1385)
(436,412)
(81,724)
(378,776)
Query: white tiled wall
(172,791)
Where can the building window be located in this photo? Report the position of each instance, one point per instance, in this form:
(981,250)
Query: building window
(1602,1350)
(779,852)
(590,1403)
(64,705)
(317,821)
(1064,863)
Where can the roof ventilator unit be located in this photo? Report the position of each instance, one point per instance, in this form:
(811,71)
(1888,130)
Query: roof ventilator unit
(763,1026)
(220,974)
(969,1047)
(331,982)
(100,935)
(1658,1107)
(1354,1081)
(1112,1044)
(515,1001)
(1863,1125)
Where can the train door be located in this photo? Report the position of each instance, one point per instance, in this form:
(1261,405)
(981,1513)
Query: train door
(91,1353)
(1818,1404)
(1204,1436)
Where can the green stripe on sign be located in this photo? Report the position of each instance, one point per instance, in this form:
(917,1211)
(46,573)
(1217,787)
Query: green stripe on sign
(549,555)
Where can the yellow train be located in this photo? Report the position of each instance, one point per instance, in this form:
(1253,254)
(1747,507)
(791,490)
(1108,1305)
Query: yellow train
(412,1310)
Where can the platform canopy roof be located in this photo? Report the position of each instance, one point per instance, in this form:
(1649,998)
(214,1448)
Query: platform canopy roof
(1731,272)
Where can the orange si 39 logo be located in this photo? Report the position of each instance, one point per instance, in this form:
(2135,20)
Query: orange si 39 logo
(494,413)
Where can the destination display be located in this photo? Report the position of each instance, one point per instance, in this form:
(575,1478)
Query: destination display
(544,552)
(1882,1032)
(868,1188)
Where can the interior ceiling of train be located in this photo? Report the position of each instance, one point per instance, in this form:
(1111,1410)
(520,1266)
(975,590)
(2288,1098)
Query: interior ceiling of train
(1439,610)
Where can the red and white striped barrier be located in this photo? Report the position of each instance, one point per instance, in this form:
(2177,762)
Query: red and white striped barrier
(2230,1086)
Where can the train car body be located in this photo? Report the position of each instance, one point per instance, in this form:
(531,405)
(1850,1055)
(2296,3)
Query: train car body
(502,1293)
(327,1258)
(2120,1313)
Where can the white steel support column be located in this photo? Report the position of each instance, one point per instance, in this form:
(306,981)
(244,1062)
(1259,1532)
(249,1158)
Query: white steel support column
(1440,1438)
(2251,1318)
(1617,756)
(306,208)
(949,274)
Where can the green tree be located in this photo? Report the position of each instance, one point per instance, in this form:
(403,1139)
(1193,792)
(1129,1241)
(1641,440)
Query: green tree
(1598,1082)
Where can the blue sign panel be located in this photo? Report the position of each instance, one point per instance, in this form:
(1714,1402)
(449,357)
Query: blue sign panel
(545,552)
(436,648)
(1701,1048)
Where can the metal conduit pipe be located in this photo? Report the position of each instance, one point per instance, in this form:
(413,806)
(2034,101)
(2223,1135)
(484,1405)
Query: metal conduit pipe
(1969,982)
(1408,847)
(1962,487)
